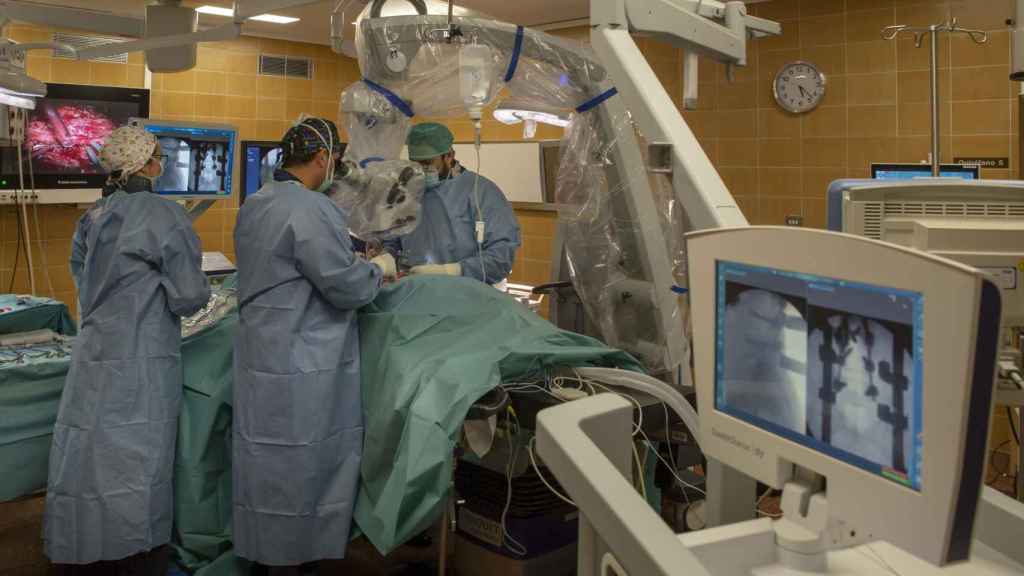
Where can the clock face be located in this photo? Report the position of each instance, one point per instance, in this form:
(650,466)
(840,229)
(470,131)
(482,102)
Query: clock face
(799,87)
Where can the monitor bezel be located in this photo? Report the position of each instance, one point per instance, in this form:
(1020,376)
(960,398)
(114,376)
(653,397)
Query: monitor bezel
(50,181)
(960,345)
(877,167)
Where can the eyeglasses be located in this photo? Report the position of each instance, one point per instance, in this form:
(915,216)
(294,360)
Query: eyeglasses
(159,156)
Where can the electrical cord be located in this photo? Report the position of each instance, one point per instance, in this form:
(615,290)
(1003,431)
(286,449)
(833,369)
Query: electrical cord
(17,249)
(39,235)
(1013,426)
(536,469)
(24,221)
(757,506)
(512,544)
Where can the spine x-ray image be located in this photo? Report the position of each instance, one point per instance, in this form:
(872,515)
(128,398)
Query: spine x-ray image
(193,165)
(858,386)
(766,340)
(827,363)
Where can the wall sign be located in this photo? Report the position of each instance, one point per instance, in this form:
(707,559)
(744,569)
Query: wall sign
(1000,163)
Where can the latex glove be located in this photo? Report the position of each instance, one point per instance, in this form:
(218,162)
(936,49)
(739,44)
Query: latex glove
(387,265)
(453,269)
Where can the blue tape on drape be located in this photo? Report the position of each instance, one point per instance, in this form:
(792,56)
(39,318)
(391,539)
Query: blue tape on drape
(395,100)
(596,101)
(516,50)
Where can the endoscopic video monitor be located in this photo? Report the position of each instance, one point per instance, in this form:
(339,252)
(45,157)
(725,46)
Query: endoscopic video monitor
(830,364)
(199,158)
(64,135)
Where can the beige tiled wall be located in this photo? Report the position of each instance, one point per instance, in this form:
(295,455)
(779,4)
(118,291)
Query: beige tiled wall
(876,107)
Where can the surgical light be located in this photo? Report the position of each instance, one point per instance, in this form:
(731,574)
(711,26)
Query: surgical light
(228,12)
(513,116)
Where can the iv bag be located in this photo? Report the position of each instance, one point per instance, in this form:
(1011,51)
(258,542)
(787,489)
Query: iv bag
(475,77)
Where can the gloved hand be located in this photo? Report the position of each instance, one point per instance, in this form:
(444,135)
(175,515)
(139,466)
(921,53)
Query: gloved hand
(387,264)
(453,269)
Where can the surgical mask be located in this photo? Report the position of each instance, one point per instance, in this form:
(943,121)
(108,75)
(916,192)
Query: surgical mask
(433,178)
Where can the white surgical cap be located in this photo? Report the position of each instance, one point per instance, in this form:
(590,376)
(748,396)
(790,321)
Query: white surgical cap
(127,149)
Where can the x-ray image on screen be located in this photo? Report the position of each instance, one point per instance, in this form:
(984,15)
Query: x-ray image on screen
(831,364)
(858,385)
(192,165)
(766,339)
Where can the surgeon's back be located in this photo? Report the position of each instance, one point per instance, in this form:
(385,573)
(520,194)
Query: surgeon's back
(297,410)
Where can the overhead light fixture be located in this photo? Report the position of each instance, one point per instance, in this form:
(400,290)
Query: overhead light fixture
(512,116)
(275,19)
(229,13)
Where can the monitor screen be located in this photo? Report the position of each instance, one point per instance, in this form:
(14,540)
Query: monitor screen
(911,171)
(259,160)
(198,159)
(66,131)
(833,365)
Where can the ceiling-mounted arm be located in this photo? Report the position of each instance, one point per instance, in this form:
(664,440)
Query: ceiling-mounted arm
(690,24)
(218,34)
(79,19)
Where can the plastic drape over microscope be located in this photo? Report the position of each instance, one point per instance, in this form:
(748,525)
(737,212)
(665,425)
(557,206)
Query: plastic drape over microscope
(604,238)
(410,71)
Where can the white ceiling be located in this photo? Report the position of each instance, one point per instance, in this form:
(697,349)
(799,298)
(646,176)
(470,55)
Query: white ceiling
(314,25)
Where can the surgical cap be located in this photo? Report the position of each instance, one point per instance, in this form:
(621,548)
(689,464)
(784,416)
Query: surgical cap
(127,150)
(429,140)
(309,136)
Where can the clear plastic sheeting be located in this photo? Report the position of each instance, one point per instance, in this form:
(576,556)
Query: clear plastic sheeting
(623,226)
(381,201)
(611,251)
(408,56)
(376,128)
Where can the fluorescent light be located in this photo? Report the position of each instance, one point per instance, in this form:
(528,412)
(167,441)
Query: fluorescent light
(216,11)
(275,19)
(228,12)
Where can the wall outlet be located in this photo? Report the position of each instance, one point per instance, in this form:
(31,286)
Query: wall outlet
(794,220)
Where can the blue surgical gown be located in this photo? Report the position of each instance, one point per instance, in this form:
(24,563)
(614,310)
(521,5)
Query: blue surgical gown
(138,266)
(447,229)
(298,428)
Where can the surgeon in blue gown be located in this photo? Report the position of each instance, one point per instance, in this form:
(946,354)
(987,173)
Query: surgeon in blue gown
(467,227)
(138,267)
(298,428)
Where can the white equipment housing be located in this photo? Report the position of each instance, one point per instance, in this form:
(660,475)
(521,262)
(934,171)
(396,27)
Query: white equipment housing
(586,443)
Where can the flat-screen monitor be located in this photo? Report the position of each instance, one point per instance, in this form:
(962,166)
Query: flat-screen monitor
(831,364)
(199,158)
(911,171)
(65,134)
(259,160)
(869,364)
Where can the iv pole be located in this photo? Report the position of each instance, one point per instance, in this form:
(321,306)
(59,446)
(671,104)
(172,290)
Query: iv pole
(951,26)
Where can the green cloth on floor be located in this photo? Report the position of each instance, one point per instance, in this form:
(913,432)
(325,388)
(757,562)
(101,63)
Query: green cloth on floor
(27,313)
(431,346)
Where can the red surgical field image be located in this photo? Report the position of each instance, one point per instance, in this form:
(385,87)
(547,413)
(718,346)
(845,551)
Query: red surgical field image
(67,137)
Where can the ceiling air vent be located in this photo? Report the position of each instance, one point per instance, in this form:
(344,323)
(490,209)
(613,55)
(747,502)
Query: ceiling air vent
(288,66)
(86,41)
